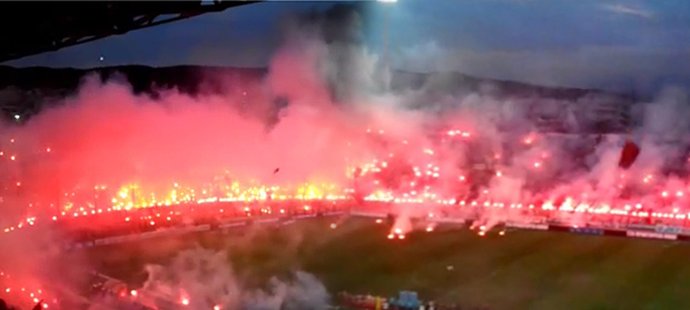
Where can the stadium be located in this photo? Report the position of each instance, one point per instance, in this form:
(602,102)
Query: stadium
(333,176)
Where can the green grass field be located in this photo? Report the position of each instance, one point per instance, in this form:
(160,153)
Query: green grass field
(521,270)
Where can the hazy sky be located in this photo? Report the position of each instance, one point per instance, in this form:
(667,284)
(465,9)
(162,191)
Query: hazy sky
(622,45)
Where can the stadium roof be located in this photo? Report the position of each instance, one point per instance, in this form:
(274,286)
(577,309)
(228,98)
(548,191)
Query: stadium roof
(29,28)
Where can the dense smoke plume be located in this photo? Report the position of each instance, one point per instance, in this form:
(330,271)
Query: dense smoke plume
(340,125)
(204,279)
(78,153)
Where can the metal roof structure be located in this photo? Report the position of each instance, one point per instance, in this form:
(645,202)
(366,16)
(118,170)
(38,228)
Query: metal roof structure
(29,28)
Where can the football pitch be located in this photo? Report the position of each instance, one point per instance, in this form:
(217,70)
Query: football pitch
(521,270)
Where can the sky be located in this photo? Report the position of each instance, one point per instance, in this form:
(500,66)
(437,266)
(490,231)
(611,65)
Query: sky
(630,46)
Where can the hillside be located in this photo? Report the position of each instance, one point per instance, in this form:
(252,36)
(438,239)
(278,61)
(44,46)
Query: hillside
(26,91)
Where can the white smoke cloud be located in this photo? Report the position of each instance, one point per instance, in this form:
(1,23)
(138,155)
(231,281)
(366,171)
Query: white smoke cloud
(204,279)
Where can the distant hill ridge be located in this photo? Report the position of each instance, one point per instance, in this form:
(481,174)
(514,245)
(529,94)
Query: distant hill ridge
(187,76)
(25,90)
